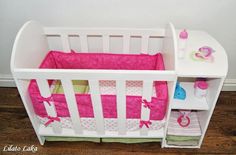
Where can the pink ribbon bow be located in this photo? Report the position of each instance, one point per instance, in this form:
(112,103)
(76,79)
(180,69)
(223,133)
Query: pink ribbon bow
(52,119)
(146,123)
(46,99)
(147,104)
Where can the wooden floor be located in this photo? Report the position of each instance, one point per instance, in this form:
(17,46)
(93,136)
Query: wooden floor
(16,130)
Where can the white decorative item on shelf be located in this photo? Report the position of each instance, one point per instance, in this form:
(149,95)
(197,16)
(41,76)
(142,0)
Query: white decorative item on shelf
(200,88)
(183,118)
(183,37)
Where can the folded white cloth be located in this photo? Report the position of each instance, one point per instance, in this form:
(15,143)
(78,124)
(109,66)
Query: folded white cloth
(183,143)
(175,129)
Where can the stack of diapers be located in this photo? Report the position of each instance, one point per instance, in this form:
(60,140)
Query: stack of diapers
(183,136)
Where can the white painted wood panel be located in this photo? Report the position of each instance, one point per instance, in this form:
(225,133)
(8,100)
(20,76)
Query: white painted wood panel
(30,46)
(96,74)
(50,108)
(144,47)
(65,43)
(121,106)
(186,67)
(72,105)
(145,111)
(126,43)
(104,31)
(171,89)
(215,86)
(84,43)
(106,41)
(97,105)
(22,86)
(170,48)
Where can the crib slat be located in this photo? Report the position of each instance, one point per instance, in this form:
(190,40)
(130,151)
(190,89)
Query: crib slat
(84,43)
(97,105)
(121,106)
(106,41)
(65,43)
(144,48)
(126,43)
(72,105)
(145,112)
(51,111)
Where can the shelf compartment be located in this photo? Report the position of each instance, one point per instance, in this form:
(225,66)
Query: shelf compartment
(191,102)
(185,137)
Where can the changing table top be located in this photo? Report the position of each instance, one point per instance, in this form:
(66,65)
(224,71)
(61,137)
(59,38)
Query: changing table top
(187,67)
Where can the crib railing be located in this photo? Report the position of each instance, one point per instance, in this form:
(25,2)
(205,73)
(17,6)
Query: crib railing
(93,76)
(28,52)
(126,34)
(168,36)
(31,46)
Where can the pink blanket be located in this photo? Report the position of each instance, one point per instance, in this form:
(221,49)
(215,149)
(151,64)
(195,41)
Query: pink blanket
(60,60)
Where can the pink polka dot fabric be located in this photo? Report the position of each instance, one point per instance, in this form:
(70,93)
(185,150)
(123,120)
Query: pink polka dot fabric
(60,60)
(110,124)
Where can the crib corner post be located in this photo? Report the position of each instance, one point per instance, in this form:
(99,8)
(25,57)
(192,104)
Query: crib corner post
(41,139)
(22,88)
(171,91)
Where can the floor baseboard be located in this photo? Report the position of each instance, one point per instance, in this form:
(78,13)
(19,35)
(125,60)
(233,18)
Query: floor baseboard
(229,85)
(7,80)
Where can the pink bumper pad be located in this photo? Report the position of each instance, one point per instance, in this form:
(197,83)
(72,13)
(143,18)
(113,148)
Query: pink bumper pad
(60,60)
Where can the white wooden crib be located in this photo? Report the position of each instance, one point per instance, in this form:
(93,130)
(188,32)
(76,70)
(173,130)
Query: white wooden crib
(31,46)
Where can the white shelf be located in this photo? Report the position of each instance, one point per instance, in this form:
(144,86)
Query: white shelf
(186,67)
(190,102)
(176,146)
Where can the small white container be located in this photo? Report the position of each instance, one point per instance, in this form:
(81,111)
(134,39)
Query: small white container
(183,36)
(200,89)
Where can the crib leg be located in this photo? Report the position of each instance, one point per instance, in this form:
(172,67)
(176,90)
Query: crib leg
(22,86)
(41,139)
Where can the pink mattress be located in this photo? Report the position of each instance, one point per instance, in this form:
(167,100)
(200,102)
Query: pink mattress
(60,60)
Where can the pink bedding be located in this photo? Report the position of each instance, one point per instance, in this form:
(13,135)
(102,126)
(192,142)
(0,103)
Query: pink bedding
(60,60)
